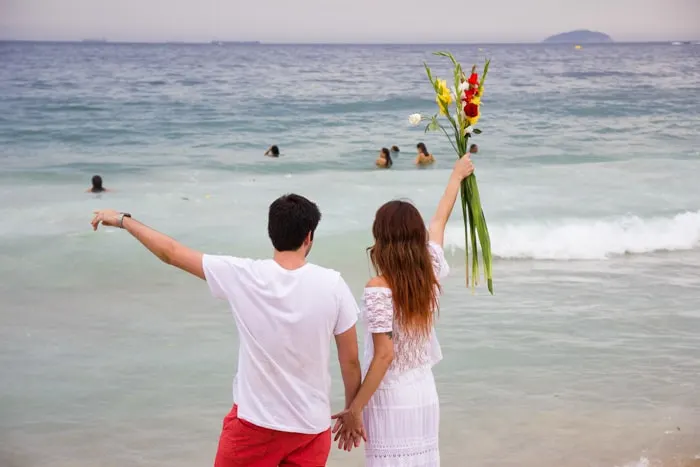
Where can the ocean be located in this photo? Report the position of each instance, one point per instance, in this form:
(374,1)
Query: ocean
(587,354)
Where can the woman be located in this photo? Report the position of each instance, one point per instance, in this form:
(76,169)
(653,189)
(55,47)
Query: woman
(384,160)
(424,157)
(273,151)
(398,401)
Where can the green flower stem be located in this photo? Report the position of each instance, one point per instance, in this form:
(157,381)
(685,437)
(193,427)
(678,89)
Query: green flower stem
(448,138)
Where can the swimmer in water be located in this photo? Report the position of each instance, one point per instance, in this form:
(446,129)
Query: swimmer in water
(384,160)
(97,186)
(424,157)
(395,150)
(473,149)
(274,151)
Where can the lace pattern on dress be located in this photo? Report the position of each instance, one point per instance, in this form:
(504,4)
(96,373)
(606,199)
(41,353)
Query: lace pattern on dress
(379,310)
(409,351)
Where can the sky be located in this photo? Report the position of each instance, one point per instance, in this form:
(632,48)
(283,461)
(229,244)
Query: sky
(354,21)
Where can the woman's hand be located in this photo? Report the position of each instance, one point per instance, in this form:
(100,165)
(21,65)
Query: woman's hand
(463,167)
(349,429)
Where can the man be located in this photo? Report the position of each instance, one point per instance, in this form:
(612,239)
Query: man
(473,149)
(286,311)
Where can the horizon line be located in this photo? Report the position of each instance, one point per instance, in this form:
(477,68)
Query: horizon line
(101,41)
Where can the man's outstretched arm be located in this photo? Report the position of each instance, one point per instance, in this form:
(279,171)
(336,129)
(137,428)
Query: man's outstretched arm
(167,249)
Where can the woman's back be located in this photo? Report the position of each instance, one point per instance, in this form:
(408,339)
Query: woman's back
(412,351)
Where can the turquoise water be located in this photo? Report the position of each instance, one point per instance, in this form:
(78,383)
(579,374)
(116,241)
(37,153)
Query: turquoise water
(586,356)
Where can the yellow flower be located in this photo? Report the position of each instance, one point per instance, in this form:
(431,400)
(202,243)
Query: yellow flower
(476,100)
(444,96)
(471,121)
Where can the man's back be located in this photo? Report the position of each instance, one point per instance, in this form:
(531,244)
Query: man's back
(285,319)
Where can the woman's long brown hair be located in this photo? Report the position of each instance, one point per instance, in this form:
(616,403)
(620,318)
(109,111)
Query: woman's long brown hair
(400,255)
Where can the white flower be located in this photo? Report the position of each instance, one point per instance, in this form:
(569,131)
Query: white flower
(468,130)
(463,86)
(415,119)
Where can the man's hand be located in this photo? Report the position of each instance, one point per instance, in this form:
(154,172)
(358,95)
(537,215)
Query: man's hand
(165,248)
(108,217)
(463,167)
(349,429)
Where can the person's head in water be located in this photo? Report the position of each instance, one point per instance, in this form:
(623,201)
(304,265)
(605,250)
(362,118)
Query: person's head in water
(473,149)
(422,149)
(291,223)
(395,149)
(400,255)
(274,151)
(386,155)
(97,184)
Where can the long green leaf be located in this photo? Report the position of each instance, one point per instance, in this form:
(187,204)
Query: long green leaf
(465,218)
(448,55)
(430,76)
(472,238)
(481,228)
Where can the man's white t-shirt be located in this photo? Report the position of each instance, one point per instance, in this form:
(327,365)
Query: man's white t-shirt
(286,320)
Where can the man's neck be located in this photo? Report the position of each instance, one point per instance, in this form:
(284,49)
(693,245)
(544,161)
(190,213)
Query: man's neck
(290,260)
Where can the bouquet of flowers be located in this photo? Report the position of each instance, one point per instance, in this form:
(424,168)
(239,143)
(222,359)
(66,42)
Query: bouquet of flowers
(466,96)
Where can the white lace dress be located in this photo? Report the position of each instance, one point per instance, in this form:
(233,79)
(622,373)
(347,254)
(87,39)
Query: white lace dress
(403,417)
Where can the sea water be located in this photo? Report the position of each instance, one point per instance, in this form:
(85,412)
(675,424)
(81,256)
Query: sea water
(587,355)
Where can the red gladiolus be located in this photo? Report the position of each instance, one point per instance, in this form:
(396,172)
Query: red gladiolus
(471,110)
(474,79)
(468,94)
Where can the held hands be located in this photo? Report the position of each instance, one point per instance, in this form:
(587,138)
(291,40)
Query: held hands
(108,217)
(349,430)
(463,167)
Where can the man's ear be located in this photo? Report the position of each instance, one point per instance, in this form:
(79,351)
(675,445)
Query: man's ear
(309,238)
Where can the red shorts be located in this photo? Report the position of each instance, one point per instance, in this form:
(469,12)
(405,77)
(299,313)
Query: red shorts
(243,444)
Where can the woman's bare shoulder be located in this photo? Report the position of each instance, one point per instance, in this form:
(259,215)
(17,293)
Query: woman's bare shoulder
(377,281)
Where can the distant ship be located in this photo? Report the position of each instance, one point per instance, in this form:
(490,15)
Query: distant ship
(94,41)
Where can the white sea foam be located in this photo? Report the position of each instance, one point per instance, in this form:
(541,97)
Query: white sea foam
(589,239)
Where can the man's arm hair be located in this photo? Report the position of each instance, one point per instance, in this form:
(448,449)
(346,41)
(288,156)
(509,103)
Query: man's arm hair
(383,356)
(165,248)
(349,363)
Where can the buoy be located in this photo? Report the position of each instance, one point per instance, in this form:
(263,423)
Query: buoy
(578,47)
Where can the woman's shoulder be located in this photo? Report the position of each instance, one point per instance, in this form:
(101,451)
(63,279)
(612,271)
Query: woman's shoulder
(377,298)
(377,282)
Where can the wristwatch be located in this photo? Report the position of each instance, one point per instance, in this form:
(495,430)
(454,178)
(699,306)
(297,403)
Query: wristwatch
(122,215)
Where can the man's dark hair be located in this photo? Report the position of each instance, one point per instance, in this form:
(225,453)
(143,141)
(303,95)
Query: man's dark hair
(290,220)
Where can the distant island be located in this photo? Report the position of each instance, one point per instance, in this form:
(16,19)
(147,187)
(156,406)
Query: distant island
(578,37)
